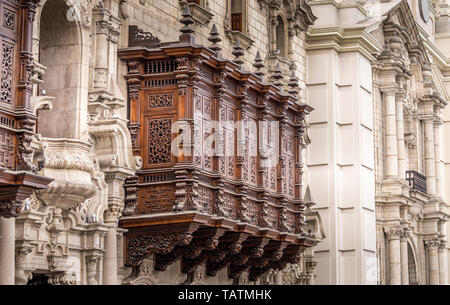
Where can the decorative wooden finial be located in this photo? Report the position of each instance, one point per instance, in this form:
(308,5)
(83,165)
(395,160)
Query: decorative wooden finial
(238,51)
(293,84)
(258,64)
(215,38)
(277,76)
(187,30)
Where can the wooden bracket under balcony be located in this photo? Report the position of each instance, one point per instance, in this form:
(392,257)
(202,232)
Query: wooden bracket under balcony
(198,238)
(17,186)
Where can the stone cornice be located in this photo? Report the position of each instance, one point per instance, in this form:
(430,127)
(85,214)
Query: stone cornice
(338,5)
(343,40)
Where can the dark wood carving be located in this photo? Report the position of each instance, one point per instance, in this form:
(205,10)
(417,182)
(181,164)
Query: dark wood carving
(195,121)
(17,121)
(139,38)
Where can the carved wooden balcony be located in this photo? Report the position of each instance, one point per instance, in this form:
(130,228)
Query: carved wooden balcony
(416,181)
(226,208)
(18,178)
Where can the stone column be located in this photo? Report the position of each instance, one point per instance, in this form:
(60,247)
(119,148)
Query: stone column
(7,250)
(110,257)
(433,262)
(401,157)
(391,135)
(437,159)
(442,254)
(393,235)
(430,171)
(404,258)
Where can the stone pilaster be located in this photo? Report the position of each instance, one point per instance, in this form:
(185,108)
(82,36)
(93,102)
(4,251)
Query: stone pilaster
(437,159)
(7,255)
(433,261)
(430,171)
(401,153)
(391,134)
(393,234)
(442,256)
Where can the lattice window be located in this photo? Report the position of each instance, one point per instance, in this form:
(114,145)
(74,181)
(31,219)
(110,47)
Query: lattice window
(7,72)
(159,141)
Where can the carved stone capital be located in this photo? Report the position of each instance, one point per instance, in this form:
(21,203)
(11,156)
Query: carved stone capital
(432,244)
(393,232)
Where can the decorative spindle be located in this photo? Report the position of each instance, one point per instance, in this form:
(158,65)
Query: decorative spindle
(215,38)
(277,76)
(187,30)
(258,64)
(238,51)
(293,84)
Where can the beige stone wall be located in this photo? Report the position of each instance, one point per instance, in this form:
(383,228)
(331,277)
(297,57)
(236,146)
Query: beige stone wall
(161,18)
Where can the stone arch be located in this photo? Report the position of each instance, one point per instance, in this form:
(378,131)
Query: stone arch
(62,48)
(413,265)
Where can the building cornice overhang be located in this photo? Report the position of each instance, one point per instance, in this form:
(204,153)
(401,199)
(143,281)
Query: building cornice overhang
(339,5)
(343,40)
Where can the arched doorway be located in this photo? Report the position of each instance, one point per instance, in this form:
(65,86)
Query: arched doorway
(60,51)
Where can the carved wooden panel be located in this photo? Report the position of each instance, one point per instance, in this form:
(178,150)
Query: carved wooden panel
(289,167)
(252,211)
(206,199)
(159,138)
(7,58)
(272,217)
(160,100)
(230,142)
(203,136)
(9,19)
(156,198)
(6,148)
(230,205)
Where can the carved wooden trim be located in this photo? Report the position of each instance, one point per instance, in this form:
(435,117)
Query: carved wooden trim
(139,247)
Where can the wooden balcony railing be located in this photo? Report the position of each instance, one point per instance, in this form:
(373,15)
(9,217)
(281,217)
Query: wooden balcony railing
(417,181)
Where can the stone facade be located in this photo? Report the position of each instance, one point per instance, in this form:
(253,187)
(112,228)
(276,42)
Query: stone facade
(385,158)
